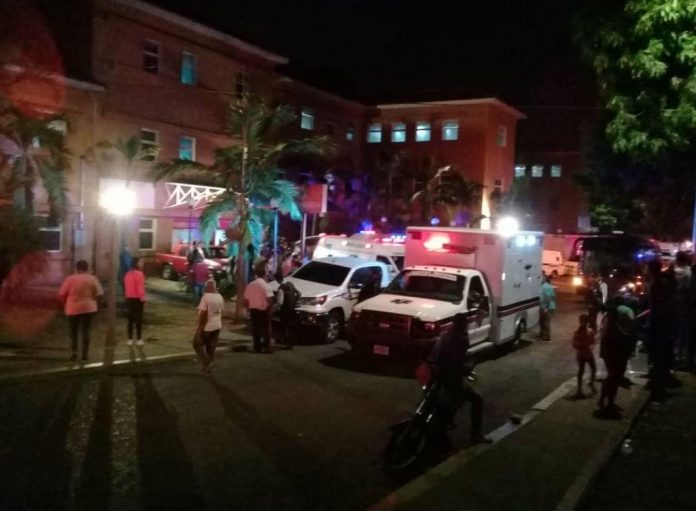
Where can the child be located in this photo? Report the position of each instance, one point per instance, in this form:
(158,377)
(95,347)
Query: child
(583,341)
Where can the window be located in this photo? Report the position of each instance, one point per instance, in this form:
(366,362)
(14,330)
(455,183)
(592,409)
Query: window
(422,131)
(450,130)
(362,276)
(187,148)
(537,171)
(556,170)
(398,132)
(520,170)
(374,134)
(147,227)
(501,139)
(307,118)
(241,85)
(497,186)
(151,56)
(475,298)
(189,68)
(51,235)
(148,138)
(350,134)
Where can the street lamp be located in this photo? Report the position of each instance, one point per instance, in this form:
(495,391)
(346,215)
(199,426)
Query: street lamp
(118,201)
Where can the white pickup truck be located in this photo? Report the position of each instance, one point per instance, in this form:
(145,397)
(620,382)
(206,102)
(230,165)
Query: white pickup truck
(494,279)
(329,289)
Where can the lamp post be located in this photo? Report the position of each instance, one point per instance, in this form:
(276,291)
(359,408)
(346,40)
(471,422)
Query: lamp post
(118,201)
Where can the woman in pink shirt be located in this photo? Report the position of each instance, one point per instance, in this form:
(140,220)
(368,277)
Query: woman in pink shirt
(134,290)
(79,294)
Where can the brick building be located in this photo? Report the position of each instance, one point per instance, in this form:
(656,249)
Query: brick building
(144,71)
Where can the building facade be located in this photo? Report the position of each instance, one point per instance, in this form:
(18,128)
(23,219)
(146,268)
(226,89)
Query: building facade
(150,73)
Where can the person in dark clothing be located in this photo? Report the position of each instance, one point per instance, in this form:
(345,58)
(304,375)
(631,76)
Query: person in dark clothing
(617,344)
(661,298)
(370,288)
(287,297)
(597,300)
(450,361)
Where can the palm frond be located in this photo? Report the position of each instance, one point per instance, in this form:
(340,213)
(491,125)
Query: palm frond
(53,179)
(210,216)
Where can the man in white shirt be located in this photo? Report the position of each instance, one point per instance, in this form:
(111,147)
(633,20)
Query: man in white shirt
(209,325)
(257,300)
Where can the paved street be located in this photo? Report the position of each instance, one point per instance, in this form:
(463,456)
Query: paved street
(298,429)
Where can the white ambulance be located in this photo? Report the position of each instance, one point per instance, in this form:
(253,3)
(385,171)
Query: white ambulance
(493,278)
(367,245)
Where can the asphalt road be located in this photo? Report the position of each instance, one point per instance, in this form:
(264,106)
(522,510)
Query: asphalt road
(299,429)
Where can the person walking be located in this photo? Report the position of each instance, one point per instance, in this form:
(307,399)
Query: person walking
(617,344)
(209,325)
(583,342)
(201,274)
(547,308)
(79,294)
(257,300)
(286,301)
(450,360)
(134,290)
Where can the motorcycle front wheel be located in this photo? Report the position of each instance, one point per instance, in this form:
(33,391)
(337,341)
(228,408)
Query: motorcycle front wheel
(406,445)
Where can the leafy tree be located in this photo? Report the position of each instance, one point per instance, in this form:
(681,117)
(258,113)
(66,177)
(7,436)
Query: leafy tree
(249,172)
(19,231)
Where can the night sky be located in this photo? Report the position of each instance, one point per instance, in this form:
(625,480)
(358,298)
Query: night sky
(379,50)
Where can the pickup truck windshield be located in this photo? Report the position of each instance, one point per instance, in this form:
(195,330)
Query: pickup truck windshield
(428,284)
(215,253)
(322,273)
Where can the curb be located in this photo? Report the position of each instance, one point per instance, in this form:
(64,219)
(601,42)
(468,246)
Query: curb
(577,491)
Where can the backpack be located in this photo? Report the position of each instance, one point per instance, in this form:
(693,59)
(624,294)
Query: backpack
(290,296)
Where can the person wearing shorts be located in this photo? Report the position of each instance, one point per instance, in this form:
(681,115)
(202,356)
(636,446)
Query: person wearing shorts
(209,325)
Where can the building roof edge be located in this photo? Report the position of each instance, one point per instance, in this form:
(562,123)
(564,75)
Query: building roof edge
(458,102)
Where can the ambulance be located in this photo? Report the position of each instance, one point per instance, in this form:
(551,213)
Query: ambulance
(492,277)
(367,245)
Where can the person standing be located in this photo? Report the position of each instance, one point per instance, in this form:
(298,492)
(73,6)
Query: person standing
(134,286)
(209,325)
(287,297)
(597,300)
(257,300)
(449,358)
(547,308)
(583,342)
(617,344)
(661,294)
(201,274)
(79,294)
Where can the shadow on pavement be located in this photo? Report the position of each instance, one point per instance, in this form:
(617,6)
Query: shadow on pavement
(393,366)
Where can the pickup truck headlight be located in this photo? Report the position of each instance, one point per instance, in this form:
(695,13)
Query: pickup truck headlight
(313,300)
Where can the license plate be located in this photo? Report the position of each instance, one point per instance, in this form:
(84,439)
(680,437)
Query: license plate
(380,350)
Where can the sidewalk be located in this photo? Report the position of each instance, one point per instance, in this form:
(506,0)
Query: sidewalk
(546,463)
(34,339)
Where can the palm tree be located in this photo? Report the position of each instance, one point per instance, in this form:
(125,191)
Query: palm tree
(249,174)
(32,149)
(515,201)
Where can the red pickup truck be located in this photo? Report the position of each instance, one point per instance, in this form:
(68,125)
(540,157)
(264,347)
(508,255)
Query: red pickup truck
(175,264)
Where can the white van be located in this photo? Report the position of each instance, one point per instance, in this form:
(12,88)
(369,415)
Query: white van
(368,246)
(553,264)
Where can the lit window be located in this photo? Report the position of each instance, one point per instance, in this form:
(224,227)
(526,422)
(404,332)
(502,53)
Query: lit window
(148,138)
(537,170)
(51,235)
(501,139)
(241,85)
(187,148)
(350,134)
(556,170)
(151,56)
(520,170)
(374,134)
(398,132)
(422,131)
(147,228)
(189,67)
(450,130)
(307,119)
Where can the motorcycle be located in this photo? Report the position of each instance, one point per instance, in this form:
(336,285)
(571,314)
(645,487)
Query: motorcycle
(426,430)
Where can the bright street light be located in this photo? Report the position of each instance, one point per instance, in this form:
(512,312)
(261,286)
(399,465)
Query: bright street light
(118,200)
(508,226)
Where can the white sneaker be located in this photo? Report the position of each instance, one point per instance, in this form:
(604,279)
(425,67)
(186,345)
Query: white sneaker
(140,342)
(129,342)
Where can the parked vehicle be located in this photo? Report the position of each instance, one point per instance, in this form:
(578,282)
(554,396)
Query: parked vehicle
(329,289)
(552,263)
(175,264)
(371,246)
(493,278)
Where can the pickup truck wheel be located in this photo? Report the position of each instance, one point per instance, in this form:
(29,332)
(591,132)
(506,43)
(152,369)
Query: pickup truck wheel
(168,272)
(331,328)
